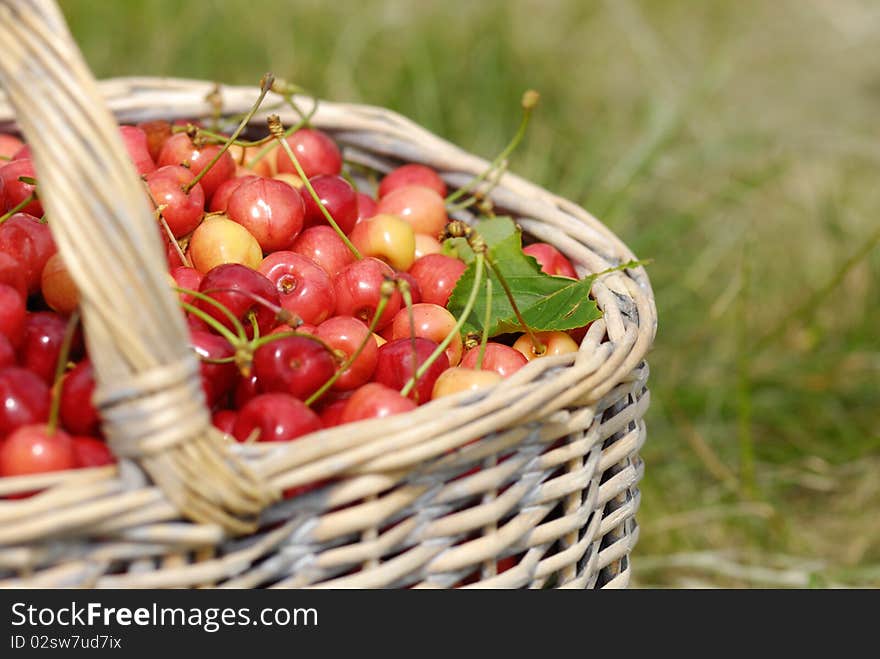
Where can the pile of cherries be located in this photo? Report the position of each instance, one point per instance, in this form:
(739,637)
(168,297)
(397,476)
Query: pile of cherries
(304,315)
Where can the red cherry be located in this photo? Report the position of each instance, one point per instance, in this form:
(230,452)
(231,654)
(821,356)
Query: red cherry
(421,207)
(551,260)
(375,400)
(12,315)
(179,150)
(415,291)
(241,291)
(41,347)
(245,389)
(32,450)
(358,291)
(7,353)
(270,210)
(188,278)
(13,191)
(498,357)
(92,452)
(278,418)
(332,409)
(437,275)
(394,366)
(294,365)
(12,276)
(135,141)
(303,287)
(30,243)
(157,133)
(217,379)
(224,420)
(366,206)
(183,210)
(77,411)
(9,145)
(323,246)
(345,334)
(430,321)
(412,174)
(221,195)
(337,196)
(24,399)
(315,151)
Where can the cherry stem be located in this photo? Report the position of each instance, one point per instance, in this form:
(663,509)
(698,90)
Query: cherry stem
(486,320)
(216,325)
(252,317)
(380,309)
(271,138)
(465,314)
(18,207)
(529,101)
(60,369)
(475,198)
(277,130)
(403,285)
(265,86)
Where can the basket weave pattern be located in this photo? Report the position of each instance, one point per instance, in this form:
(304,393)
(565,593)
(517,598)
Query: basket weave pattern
(543,467)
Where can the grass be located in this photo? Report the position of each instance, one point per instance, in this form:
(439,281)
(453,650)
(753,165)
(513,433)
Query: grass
(735,144)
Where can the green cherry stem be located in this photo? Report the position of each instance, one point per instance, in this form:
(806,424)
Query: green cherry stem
(236,323)
(380,309)
(213,322)
(484,338)
(265,86)
(277,130)
(465,314)
(60,368)
(529,101)
(18,207)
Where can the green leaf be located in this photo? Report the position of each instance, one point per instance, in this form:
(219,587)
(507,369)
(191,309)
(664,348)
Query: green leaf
(546,303)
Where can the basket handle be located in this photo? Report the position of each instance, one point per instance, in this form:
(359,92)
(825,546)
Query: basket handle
(148,383)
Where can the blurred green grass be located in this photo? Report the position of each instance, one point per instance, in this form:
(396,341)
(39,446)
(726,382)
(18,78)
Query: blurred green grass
(735,144)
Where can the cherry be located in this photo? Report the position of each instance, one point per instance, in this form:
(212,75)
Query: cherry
(245,389)
(292,180)
(219,240)
(422,207)
(172,253)
(157,133)
(437,275)
(277,417)
(303,287)
(551,260)
(386,237)
(498,357)
(358,291)
(345,335)
(12,275)
(555,343)
(76,409)
(32,449)
(394,366)
(426,244)
(294,365)
(337,196)
(13,191)
(7,352)
(430,321)
(224,420)
(217,379)
(374,400)
(239,289)
(315,151)
(135,141)
(182,210)
(12,315)
(180,150)
(323,246)
(457,379)
(270,210)
(41,347)
(24,399)
(415,291)
(92,452)
(30,242)
(366,206)
(9,145)
(189,278)
(58,288)
(412,174)
(331,411)
(221,195)
(24,153)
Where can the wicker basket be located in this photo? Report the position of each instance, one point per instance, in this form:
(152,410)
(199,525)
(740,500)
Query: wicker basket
(555,446)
